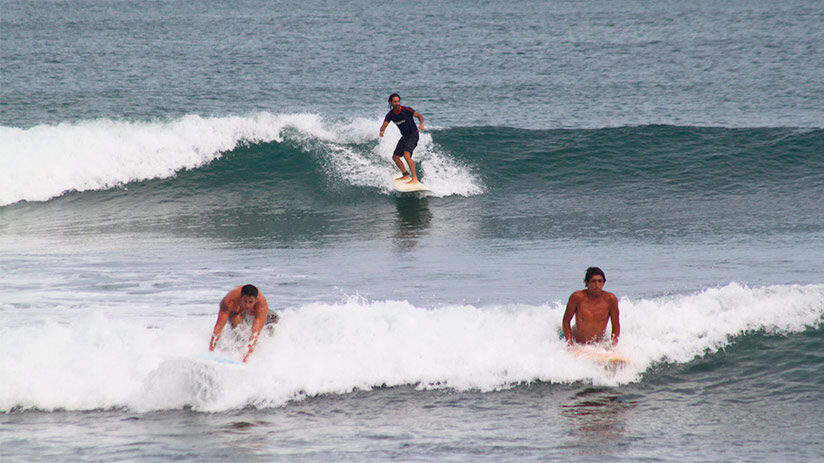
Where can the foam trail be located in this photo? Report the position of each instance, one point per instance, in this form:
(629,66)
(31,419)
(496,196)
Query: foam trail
(100,362)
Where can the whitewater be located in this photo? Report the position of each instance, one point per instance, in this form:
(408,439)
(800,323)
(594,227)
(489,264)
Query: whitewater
(155,155)
(105,362)
(47,161)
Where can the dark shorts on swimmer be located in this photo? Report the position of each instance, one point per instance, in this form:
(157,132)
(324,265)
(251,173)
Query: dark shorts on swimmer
(271,318)
(406,144)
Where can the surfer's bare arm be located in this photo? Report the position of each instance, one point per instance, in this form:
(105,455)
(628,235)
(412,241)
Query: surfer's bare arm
(261,311)
(571,308)
(383,127)
(420,118)
(614,317)
(222,318)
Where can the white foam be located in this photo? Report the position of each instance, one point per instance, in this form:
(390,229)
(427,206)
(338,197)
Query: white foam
(680,328)
(46,161)
(98,361)
(444,175)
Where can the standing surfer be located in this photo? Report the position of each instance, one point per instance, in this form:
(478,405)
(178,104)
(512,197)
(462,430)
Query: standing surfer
(402,117)
(592,308)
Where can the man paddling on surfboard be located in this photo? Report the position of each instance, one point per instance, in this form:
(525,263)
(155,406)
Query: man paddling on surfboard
(592,308)
(402,117)
(240,304)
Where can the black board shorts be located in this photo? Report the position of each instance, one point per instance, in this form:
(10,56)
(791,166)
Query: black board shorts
(271,317)
(406,144)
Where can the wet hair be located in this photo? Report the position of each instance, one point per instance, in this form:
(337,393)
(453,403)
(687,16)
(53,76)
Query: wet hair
(592,271)
(393,96)
(249,290)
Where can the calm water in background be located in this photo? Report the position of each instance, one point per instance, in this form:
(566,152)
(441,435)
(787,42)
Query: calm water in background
(155,154)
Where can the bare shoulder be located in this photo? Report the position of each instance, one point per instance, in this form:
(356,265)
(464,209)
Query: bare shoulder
(224,304)
(233,295)
(610,297)
(577,295)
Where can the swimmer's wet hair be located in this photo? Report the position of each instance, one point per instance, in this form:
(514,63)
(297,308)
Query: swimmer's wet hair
(249,290)
(592,271)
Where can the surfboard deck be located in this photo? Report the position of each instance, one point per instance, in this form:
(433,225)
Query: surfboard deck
(400,185)
(600,355)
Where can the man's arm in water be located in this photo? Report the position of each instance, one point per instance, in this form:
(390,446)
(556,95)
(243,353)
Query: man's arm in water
(260,319)
(571,308)
(614,319)
(222,318)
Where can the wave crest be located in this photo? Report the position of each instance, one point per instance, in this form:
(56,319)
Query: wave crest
(47,161)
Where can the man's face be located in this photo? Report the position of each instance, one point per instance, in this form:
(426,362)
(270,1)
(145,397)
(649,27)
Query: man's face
(395,103)
(595,284)
(247,302)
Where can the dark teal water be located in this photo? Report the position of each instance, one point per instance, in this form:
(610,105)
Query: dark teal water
(535,64)
(153,155)
(652,182)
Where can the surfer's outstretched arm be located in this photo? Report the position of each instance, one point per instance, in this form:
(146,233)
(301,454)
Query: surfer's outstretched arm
(222,318)
(257,326)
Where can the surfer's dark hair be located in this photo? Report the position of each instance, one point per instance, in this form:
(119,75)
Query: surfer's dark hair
(393,96)
(592,271)
(249,290)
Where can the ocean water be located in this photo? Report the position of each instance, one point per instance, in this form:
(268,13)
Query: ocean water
(154,155)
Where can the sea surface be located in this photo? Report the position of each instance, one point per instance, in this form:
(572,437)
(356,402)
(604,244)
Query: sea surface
(156,154)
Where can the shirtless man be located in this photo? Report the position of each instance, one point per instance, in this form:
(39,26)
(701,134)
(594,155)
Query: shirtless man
(236,306)
(402,117)
(592,308)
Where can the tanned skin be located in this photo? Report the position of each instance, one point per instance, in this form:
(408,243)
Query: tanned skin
(592,308)
(233,308)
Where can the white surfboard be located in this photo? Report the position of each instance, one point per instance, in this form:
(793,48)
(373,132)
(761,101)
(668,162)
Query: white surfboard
(600,355)
(400,185)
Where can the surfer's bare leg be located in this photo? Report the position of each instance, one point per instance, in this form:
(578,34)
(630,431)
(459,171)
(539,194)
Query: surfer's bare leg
(408,156)
(400,165)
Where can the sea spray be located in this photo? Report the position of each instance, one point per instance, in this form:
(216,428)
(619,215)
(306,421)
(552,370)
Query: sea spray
(100,361)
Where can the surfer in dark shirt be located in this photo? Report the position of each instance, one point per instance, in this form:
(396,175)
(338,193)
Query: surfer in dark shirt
(592,309)
(402,117)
